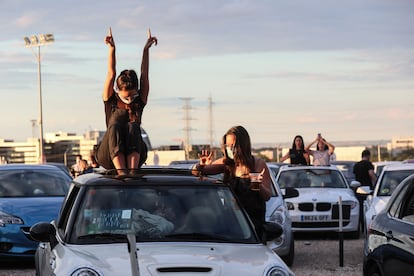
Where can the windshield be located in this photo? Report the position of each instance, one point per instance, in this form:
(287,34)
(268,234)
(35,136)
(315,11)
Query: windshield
(164,213)
(311,178)
(390,181)
(33,183)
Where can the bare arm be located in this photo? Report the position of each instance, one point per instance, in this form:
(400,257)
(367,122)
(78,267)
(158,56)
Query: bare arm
(144,88)
(331,147)
(265,186)
(373,177)
(285,157)
(307,149)
(110,76)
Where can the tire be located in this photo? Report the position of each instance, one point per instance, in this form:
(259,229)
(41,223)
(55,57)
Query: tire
(373,270)
(288,259)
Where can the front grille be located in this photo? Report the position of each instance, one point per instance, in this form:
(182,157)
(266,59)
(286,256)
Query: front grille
(346,211)
(323,206)
(306,207)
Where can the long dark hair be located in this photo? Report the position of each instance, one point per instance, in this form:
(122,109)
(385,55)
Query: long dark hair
(294,145)
(242,151)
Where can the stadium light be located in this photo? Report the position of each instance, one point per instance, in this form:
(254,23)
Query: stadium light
(38,41)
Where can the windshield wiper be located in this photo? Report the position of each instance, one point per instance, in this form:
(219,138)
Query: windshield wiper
(198,236)
(105,236)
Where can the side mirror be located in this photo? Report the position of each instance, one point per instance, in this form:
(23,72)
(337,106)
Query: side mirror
(364,190)
(355,184)
(42,231)
(272,231)
(291,192)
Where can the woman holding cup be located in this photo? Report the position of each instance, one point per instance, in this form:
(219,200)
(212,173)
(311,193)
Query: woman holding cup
(246,174)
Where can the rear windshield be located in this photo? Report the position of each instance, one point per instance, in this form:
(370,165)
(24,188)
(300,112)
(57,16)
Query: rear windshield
(311,178)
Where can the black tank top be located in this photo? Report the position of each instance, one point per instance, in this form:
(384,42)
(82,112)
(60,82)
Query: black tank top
(296,157)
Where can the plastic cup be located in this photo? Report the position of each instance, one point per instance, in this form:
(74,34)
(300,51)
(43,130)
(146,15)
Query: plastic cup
(255,181)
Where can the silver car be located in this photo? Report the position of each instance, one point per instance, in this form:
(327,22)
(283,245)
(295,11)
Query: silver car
(277,212)
(158,221)
(317,206)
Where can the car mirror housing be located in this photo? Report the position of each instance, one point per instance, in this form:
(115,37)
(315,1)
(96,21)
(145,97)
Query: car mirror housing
(355,184)
(42,231)
(272,230)
(291,192)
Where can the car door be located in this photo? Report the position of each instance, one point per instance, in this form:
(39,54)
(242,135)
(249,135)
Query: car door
(398,252)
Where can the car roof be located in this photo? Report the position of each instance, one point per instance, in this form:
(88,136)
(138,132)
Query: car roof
(152,175)
(301,167)
(399,167)
(28,167)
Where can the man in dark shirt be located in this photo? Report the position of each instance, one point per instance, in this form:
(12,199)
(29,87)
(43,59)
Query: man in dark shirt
(364,173)
(364,170)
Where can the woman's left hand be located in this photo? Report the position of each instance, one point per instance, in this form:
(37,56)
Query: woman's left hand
(151,40)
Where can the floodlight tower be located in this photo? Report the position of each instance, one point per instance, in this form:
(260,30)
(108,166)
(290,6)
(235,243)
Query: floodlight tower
(37,41)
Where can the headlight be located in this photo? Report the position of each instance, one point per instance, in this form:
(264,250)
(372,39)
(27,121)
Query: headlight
(278,215)
(85,271)
(290,205)
(9,219)
(278,271)
(350,202)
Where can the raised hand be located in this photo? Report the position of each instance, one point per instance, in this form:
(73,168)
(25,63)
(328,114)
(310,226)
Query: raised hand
(151,40)
(109,39)
(205,157)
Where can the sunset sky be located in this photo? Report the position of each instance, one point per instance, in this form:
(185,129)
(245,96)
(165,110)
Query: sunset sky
(279,68)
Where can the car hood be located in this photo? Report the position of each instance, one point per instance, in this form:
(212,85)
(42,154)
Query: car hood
(323,195)
(216,259)
(32,209)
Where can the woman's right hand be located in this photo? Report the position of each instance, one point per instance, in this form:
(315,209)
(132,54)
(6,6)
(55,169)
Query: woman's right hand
(205,157)
(109,39)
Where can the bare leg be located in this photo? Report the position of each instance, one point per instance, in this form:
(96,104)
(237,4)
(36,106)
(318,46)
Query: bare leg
(133,160)
(119,163)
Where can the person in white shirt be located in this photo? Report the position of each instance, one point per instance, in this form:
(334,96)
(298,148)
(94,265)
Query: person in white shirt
(322,154)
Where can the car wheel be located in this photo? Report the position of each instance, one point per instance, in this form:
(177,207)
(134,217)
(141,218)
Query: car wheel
(373,271)
(288,259)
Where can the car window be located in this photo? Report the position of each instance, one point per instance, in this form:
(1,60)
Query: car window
(160,213)
(390,181)
(32,183)
(311,178)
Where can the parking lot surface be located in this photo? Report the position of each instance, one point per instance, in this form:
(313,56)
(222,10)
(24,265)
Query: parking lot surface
(318,254)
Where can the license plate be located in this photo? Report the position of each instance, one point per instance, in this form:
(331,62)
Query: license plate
(315,218)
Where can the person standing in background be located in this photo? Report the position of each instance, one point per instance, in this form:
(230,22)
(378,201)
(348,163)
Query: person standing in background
(364,170)
(322,154)
(297,154)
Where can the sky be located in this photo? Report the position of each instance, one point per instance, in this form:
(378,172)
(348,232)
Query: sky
(279,68)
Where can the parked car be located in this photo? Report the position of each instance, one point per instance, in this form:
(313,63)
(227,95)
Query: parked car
(378,166)
(377,199)
(389,248)
(275,166)
(183,163)
(277,212)
(28,194)
(155,221)
(317,206)
(347,168)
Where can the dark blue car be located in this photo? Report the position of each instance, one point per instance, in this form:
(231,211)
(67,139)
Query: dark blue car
(28,194)
(389,247)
